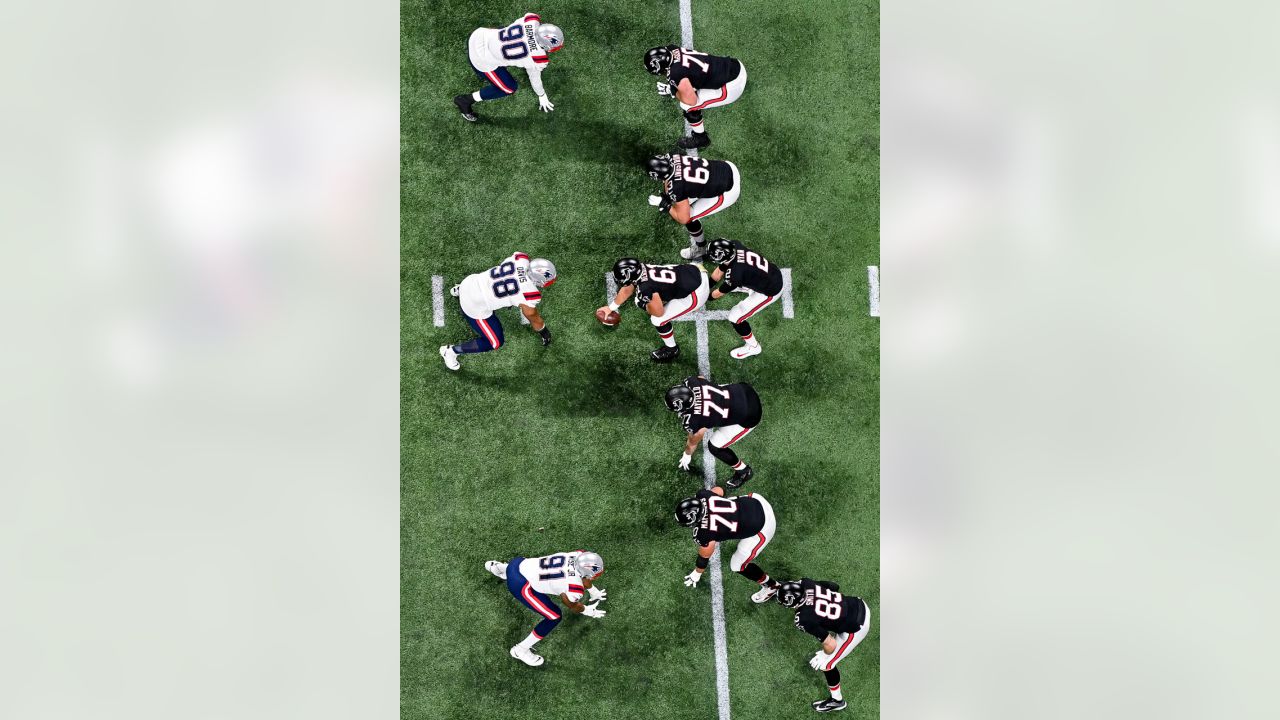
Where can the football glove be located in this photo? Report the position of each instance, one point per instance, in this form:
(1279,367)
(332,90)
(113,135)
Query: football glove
(691,580)
(654,200)
(820,659)
(665,89)
(596,594)
(545,334)
(667,201)
(544,104)
(685,459)
(592,611)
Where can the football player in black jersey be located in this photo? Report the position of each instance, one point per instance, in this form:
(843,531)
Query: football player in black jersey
(697,81)
(738,266)
(666,292)
(715,518)
(730,412)
(692,189)
(838,621)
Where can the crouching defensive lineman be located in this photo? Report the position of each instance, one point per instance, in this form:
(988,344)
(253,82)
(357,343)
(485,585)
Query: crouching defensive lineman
(566,575)
(715,518)
(692,189)
(515,281)
(737,266)
(730,412)
(666,292)
(838,621)
(528,43)
(697,81)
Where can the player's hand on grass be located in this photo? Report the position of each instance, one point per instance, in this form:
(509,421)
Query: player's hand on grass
(665,90)
(691,580)
(596,594)
(593,611)
(544,104)
(820,659)
(685,459)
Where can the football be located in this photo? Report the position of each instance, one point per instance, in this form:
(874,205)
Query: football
(608,317)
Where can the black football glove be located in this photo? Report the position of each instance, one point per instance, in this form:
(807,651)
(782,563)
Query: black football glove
(667,201)
(545,334)
(642,301)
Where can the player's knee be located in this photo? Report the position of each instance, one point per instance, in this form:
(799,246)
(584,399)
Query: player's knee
(693,116)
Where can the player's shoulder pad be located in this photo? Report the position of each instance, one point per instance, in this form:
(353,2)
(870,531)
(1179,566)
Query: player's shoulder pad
(828,585)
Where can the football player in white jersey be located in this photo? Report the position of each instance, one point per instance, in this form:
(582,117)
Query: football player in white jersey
(534,581)
(528,43)
(516,281)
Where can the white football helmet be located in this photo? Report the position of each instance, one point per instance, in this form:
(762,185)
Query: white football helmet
(550,37)
(589,564)
(542,272)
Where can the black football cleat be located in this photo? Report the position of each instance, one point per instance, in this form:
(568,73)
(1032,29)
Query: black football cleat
(830,705)
(696,141)
(739,478)
(465,103)
(665,354)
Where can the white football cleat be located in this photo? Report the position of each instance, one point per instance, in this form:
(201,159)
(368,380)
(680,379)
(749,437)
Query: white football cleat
(764,594)
(691,253)
(497,568)
(454,290)
(746,351)
(526,656)
(450,357)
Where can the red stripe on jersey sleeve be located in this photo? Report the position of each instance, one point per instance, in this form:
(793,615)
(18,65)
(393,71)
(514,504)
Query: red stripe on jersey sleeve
(531,16)
(533,296)
(541,59)
(521,256)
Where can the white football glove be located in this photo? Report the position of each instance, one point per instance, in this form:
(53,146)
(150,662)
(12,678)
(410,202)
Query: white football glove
(691,580)
(592,611)
(655,200)
(820,659)
(595,594)
(685,459)
(665,89)
(544,103)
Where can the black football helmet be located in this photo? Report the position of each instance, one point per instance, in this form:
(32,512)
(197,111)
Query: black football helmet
(720,251)
(661,167)
(679,398)
(689,511)
(657,60)
(627,271)
(790,594)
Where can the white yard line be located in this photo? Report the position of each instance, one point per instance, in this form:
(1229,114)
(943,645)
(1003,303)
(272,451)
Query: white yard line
(788,305)
(437,300)
(873,290)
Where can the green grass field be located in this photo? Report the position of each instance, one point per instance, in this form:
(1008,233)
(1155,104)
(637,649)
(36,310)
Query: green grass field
(531,450)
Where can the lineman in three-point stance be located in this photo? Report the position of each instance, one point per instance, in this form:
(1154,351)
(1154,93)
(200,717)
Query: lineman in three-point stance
(566,575)
(666,292)
(528,43)
(515,281)
(692,189)
(697,81)
(715,518)
(729,412)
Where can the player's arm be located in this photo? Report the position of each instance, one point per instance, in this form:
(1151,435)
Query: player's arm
(717,274)
(692,443)
(704,557)
(535,319)
(576,607)
(685,92)
(655,306)
(680,211)
(624,294)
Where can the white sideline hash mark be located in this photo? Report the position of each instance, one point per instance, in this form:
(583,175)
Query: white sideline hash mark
(873,290)
(437,300)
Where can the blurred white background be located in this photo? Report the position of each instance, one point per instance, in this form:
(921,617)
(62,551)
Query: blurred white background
(198,456)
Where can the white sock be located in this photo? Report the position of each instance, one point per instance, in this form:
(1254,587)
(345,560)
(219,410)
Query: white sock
(751,341)
(476,96)
(699,128)
(669,341)
(529,642)
(835,693)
